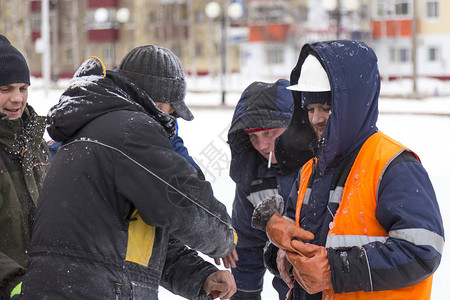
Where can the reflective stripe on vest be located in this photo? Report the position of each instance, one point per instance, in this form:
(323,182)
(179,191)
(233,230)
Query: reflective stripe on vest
(355,223)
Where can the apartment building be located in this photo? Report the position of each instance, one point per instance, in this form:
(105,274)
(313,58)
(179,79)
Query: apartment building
(110,28)
(394,37)
(261,41)
(279,29)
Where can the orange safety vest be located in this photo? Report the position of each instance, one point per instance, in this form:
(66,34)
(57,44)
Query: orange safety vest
(355,223)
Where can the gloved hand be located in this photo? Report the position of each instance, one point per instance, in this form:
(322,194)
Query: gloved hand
(265,210)
(311,266)
(220,284)
(281,232)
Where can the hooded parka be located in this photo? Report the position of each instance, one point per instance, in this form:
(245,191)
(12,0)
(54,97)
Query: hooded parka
(118,204)
(24,160)
(262,105)
(365,197)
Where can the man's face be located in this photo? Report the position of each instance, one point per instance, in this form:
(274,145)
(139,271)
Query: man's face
(318,117)
(263,142)
(13,99)
(165,107)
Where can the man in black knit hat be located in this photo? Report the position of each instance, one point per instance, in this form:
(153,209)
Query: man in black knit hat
(24,158)
(159,72)
(118,204)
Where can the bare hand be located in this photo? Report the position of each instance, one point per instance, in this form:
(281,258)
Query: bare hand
(284,266)
(220,284)
(229,260)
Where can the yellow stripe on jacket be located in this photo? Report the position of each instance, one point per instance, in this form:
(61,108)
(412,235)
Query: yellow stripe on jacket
(141,238)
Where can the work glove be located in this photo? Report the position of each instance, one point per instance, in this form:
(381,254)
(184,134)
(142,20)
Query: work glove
(281,232)
(265,210)
(311,267)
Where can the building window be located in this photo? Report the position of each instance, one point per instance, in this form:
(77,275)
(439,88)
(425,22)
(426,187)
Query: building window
(433,54)
(198,50)
(392,9)
(176,49)
(364,11)
(402,8)
(262,12)
(199,16)
(8,26)
(67,25)
(274,55)
(36,21)
(152,18)
(302,13)
(392,55)
(432,9)
(379,9)
(404,55)
(69,56)
(182,12)
(108,53)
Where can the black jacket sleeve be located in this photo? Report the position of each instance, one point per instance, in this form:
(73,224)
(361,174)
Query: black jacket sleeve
(167,192)
(11,274)
(185,272)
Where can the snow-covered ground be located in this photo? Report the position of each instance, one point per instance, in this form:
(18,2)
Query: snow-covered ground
(405,120)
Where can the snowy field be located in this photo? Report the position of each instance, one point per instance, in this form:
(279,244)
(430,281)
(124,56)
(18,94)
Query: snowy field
(427,134)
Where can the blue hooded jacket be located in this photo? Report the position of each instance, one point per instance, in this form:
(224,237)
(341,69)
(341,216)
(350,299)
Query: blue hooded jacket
(406,199)
(262,105)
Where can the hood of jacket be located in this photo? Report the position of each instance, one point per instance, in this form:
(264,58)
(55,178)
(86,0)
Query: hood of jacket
(355,86)
(92,92)
(262,105)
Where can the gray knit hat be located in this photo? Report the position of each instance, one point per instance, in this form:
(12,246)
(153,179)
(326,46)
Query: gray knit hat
(158,72)
(13,66)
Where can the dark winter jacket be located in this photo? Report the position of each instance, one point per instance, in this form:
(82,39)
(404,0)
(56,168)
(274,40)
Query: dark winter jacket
(24,160)
(176,142)
(262,105)
(406,201)
(115,193)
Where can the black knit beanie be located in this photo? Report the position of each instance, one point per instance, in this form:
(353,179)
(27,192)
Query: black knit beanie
(158,72)
(315,97)
(13,66)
